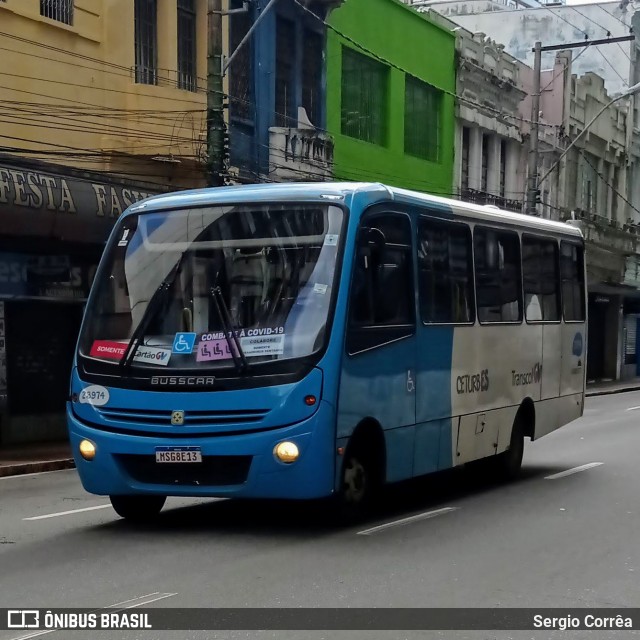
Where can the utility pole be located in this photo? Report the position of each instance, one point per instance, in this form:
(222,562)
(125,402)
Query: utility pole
(533,182)
(216,129)
(534,141)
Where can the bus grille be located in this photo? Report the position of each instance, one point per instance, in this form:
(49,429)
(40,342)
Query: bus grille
(212,471)
(191,418)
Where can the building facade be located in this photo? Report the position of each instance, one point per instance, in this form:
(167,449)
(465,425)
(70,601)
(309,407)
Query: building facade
(488,140)
(277,85)
(390,96)
(104,103)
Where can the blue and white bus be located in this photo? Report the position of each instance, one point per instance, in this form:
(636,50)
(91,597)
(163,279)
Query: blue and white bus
(311,340)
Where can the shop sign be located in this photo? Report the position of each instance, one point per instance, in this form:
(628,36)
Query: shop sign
(25,189)
(29,276)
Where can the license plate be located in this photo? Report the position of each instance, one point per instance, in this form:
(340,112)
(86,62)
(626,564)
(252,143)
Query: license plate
(178,454)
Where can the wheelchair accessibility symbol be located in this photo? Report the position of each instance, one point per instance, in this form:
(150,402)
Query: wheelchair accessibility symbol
(184,343)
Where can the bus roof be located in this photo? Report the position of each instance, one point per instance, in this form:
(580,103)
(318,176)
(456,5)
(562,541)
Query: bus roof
(375,192)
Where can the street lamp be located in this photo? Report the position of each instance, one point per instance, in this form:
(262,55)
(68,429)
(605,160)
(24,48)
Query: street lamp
(625,94)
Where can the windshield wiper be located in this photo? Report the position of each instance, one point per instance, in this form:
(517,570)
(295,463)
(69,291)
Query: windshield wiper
(149,313)
(239,358)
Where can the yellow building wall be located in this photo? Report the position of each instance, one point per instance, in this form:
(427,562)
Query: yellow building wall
(68,93)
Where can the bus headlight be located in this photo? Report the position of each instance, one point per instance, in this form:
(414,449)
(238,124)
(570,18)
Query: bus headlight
(87,450)
(286,452)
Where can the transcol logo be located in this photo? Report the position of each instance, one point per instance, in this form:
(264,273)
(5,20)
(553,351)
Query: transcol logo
(577,345)
(529,377)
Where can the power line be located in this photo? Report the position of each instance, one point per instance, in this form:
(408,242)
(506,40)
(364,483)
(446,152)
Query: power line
(625,82)
(613,16)
(396,66)
(586,158)
(586,17)
(554,78)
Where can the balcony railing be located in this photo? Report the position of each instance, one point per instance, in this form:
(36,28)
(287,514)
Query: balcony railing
(481,197)
(300,154)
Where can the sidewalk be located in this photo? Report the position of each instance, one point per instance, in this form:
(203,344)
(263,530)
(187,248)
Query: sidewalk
(16,460)
(614,386)
(35,458)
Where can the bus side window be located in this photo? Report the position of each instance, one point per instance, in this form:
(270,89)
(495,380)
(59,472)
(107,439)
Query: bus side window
(498,284)
(541,281)
(572,275)
(445,272)
(382,298)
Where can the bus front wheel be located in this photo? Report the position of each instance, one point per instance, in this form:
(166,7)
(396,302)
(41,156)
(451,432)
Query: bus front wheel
(137,508)
(360,483)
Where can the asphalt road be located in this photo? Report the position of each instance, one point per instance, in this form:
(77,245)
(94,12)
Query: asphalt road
(565,541)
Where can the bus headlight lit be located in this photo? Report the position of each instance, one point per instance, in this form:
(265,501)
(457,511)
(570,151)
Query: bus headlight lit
(87,450)
(286,452)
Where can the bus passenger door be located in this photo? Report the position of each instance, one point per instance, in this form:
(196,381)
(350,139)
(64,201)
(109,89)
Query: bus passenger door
(378,381)
(574,341)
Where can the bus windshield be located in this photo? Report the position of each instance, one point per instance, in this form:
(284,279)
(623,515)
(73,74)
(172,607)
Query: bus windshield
(222,287)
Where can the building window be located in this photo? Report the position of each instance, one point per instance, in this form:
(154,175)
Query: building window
(187,72)
(541,281)
(464,172)
(503,168)
(60,10)
(445,273)
(312,75)
(382,292)
(364,97)
(572,275)
(146,35)
(422,108)
(498,284)
(485,164)
(285,82)
(241,68)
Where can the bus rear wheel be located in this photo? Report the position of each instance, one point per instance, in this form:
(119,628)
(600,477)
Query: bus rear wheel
(138,508)
(508,464)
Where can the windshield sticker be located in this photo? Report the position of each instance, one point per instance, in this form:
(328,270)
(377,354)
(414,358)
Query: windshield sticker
(331,239)
(125,238)
(264,345)
(209,350)
(184,343)
(152,355)
(108,349)
(94,395)
(112,350)
(320,288)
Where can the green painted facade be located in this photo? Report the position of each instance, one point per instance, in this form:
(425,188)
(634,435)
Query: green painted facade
(409,43)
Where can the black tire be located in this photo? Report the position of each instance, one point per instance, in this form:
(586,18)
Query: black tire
(138,508)
(360,484)
(507,465)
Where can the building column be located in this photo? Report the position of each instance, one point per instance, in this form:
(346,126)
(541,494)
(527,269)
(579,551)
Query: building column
(601,190)
(493,169)
(458,152)
(624,211)
(167,38)
(513,190)
(611,176)
(475,158)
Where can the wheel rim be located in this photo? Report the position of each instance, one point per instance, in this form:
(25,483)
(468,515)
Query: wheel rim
(355,481)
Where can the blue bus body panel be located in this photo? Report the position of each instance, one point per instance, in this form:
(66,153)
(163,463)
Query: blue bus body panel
(211,413)
(313,431)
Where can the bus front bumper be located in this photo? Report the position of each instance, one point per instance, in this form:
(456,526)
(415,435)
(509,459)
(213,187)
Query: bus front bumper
(242,466)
